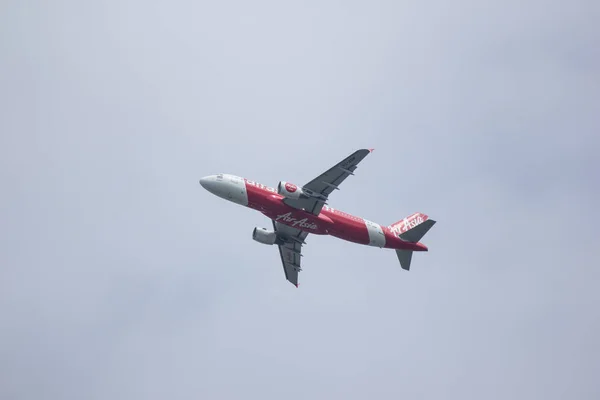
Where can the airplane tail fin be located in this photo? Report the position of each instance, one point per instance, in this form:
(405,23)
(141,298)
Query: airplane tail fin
(411,229)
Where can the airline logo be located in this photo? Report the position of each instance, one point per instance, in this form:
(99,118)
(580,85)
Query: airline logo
(408,223)
(260,185)
(295,222)
(290,187)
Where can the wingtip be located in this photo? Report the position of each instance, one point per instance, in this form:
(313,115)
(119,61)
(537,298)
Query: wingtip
(371,150)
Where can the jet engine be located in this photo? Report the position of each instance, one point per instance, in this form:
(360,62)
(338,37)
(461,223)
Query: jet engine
(290,190)
(264,236)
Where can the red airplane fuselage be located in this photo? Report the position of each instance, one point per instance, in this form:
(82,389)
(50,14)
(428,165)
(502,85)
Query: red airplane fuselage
(330,221)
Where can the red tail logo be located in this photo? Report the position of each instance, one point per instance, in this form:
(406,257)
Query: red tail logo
(290,187)
(408,223)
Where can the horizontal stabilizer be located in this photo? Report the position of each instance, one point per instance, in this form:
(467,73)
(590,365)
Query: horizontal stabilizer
(405,257)
(415,234)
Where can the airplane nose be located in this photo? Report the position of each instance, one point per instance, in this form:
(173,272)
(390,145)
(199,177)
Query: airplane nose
(204,181)
(211,183)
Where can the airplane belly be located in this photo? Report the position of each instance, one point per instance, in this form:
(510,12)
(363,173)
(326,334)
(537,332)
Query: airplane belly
(355,232)
(299,220)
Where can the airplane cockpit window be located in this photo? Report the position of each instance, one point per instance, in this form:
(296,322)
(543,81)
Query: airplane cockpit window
(220,177)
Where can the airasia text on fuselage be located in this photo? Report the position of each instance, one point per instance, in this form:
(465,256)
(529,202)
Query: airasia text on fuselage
(303,223)
(260,186)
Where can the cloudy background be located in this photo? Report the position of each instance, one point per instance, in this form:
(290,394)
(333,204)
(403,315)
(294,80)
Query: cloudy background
(121,278)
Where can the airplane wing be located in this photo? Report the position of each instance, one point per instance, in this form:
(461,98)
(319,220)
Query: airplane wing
(321,187)
(290,249)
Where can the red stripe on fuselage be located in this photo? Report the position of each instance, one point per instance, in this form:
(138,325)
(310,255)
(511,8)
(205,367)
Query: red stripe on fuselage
(347,226)
(329,222)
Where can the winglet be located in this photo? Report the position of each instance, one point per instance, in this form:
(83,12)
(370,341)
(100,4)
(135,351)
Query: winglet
(371,150)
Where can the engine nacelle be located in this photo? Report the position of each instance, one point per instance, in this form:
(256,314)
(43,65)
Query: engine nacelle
(290,190)
(264,236)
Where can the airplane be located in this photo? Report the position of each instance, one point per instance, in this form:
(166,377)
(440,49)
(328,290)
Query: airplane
(296,212)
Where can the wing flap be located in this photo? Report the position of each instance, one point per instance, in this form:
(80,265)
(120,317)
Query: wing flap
(290,250)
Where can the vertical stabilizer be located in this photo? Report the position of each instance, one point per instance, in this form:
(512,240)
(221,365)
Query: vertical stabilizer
(408,223)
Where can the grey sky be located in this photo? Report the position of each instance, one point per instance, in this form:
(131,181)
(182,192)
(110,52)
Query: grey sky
(120,277)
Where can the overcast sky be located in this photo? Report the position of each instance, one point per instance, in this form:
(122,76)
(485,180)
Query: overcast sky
(122,278)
